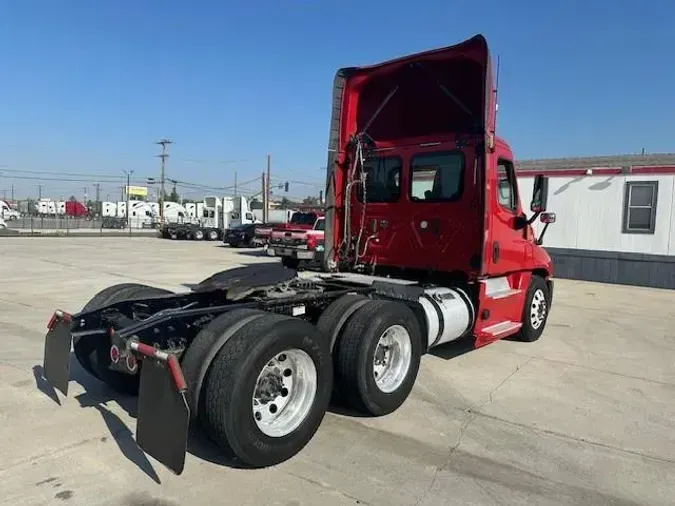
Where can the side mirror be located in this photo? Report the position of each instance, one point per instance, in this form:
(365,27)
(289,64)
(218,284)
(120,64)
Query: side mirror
(547,218)
(539,194)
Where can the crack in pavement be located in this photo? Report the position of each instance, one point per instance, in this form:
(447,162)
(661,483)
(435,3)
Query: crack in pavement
(518,367)
(474,413)
(325,486)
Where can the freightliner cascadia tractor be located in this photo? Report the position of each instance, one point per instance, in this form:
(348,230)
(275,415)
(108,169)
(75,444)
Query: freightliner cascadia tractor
(425,243)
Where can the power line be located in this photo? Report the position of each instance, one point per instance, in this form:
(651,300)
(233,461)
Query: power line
(60,173)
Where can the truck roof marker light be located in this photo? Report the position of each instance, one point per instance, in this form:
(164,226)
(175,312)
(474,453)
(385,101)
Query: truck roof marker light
(491,141)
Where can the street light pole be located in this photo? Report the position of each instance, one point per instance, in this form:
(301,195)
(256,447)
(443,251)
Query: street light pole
(128,173)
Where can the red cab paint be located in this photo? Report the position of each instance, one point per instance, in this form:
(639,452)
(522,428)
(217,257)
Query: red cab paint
(441,198)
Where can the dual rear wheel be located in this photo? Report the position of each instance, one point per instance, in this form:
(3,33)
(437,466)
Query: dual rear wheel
(259,384)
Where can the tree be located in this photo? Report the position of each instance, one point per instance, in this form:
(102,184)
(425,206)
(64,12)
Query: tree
(172,197)
(311,201)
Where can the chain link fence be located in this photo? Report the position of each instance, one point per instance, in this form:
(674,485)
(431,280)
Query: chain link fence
(61,225)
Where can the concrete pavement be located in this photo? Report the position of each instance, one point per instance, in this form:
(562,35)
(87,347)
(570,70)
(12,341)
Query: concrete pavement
(583,416)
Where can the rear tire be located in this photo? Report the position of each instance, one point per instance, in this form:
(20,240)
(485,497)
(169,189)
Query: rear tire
(201,353)
(291,402)
(212,235)
(83,348)
(378,357)
(333,318)
(535,310)
(94,355)
(199,235)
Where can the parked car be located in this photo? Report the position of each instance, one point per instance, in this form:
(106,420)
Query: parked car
(243,235)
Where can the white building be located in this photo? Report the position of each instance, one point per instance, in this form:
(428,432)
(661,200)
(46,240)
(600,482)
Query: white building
(615,217)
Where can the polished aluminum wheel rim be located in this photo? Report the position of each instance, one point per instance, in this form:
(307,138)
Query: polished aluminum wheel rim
(284,393)
(538,309)
(393,356)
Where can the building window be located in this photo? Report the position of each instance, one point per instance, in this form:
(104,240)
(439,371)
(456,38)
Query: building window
(639,207)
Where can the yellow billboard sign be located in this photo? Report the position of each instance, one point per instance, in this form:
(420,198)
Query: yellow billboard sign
(139,191)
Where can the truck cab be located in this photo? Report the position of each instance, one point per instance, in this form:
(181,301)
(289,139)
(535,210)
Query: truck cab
(419,185)
(7,213)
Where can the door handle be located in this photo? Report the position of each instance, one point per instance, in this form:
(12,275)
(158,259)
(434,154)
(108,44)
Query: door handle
(495,252)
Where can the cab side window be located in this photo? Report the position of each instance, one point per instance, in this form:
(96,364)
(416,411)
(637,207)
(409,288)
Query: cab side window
(507,189)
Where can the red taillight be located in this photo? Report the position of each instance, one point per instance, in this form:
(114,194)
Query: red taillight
(114,354)
(132,364)
(311,242)
(58,315)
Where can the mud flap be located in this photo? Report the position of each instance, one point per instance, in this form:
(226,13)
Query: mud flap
(163,416)
(56,361)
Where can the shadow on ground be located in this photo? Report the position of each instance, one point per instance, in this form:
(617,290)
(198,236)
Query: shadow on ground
(97,396)
(453,350)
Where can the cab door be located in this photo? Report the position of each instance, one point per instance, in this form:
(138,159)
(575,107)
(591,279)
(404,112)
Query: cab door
(508,234)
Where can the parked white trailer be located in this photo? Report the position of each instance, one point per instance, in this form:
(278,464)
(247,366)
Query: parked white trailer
(615,217)
(109,209)
(275,215)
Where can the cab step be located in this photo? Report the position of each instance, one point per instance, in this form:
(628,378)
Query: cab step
(502,329)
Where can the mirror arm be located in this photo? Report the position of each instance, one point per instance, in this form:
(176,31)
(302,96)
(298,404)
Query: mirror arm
(533,218)
(540,239)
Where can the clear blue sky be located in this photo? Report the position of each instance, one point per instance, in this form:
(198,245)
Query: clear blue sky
(87,86)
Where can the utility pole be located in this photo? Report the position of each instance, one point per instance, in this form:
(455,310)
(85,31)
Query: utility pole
(235,183)
(267,189)
(12,194)
(99,207)
(264,198)
(163,156)
(39,192)
(128,173)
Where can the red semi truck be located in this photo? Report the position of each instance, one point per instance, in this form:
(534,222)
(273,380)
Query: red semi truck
(426,243)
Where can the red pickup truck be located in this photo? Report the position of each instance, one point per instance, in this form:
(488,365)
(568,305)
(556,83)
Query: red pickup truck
(297,245)
(301,220)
